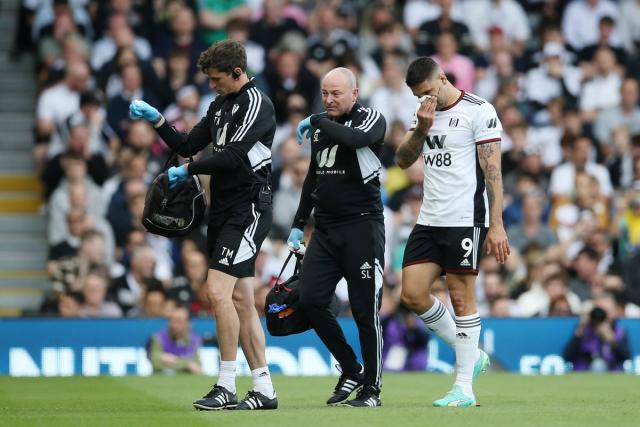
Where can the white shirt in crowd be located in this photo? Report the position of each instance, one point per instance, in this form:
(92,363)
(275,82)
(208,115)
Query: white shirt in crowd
(600,93)
(580,22)
(563,179)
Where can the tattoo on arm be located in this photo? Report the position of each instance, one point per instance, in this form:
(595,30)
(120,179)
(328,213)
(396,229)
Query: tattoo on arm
(489,158)
(410,149)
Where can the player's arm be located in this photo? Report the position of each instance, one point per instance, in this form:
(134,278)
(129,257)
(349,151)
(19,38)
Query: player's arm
(371,131)
(255,117)
(413,141)
(306,201)
(185,143)
(489,157)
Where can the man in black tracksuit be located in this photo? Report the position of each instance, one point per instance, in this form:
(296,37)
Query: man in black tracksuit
(343,187)
(239,125)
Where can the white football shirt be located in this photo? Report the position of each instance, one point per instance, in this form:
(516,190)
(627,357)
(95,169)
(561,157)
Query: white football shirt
(454,185)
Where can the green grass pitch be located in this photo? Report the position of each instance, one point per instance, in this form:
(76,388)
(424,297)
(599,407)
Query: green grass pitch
(505,399)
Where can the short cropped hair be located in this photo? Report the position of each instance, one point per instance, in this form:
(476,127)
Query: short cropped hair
(421,69)
(224,56)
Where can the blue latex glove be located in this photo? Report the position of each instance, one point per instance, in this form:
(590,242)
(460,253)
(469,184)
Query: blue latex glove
(304,126)
(176,175)
(295,238)
(139,109)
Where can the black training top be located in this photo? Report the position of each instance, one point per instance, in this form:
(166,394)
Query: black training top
(343,182)
(241,127)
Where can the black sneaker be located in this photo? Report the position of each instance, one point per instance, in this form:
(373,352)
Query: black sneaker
(368,396)
(346,385)
(218,398)
(255,400)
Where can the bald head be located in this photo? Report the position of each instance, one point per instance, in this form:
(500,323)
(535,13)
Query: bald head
(339,91)
(342,76)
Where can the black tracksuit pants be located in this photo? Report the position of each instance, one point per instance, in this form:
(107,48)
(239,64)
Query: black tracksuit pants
(354,251)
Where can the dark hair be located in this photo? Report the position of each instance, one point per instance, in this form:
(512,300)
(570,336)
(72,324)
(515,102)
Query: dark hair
(224,56)
(589,252)
(420,69)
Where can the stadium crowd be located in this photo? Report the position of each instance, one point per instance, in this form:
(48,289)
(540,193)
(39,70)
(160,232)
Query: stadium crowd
(562,74)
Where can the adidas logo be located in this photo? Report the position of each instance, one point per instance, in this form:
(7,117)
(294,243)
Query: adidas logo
(224,261)
(462,335)
(465,263)
(365,266)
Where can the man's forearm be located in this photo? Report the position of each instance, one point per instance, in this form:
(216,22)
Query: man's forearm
(490,161)
(410,148)
(494,194)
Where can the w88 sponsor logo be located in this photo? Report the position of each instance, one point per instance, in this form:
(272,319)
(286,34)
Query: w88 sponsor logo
(438,159)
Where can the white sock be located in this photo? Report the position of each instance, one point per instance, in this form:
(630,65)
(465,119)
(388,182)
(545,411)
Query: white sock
(439,320)
(262,382)
(467,339)
(227,375)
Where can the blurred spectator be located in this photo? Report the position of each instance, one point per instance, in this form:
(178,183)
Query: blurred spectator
(531,229)
(451,61)
(129,289)
(606,38)
(182,37)
(626,113)
(538,300)
(187,290)
(175,349)
(630,26)
(287,74)
(55,104)
(405,342)
(393,98)
(500,307)
(554,78)
(215,14)
(109,76)
(153,304)
(119,36)
(563,177)
(77,225)
(598,343)
(79,153)
(585,266)
(481,16)
(429,31)
(272,25)
(297,110)
(628,225)
(499,71)
(118,106)
(94,291)
(51,46)
(581,18)
(68,273)
(76,190)
(285,201)
(330,38)
(603,90)
(121,204)
(47,12)
(69,304)
(494,288)
(239,30)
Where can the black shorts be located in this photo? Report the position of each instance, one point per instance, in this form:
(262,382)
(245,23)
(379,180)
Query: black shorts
(454,249)
(234,240)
